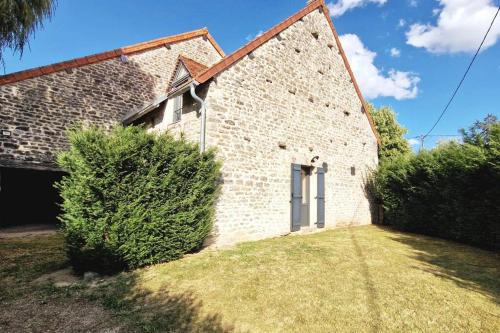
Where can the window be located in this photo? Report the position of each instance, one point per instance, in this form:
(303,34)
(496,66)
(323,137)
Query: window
(177,108)
(181,76)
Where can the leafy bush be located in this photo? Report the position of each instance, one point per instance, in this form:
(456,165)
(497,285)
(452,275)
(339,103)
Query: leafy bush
(452,191)
(132,198)
(391,133)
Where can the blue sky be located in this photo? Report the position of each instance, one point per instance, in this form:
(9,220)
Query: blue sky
(408,54)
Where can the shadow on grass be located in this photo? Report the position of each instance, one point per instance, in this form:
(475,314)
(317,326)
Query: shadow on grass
(468,267)
(371,293)
(159,311)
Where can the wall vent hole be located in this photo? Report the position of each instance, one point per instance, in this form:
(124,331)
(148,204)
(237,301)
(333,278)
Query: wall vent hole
(347,113)
(297,50)
(315,35)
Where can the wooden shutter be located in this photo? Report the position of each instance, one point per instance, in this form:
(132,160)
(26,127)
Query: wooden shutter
(296,201)
(320,198)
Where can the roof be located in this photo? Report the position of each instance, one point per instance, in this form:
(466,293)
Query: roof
(231,59)
(193,67)
(127,50)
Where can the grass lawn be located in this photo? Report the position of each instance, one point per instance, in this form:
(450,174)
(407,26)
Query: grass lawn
(353,279)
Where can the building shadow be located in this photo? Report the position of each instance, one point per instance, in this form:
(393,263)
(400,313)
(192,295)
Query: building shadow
(468,267)
(160,310)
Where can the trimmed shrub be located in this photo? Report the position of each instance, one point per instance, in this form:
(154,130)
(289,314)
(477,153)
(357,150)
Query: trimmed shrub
(132,198)
(452,191)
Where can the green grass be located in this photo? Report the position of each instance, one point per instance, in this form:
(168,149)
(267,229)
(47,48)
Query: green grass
(25,259)
(354,279)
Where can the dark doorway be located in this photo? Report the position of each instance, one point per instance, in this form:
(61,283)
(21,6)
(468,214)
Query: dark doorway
(28,197)
(305,176)
(301,196)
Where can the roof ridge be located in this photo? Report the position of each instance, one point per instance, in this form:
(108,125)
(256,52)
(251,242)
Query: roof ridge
(258,41)
(106,55)
(188,65)
(229,60)
(183,58)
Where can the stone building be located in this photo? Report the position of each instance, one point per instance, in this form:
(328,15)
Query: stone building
(284,113)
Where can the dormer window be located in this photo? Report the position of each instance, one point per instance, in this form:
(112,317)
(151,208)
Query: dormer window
(182,76)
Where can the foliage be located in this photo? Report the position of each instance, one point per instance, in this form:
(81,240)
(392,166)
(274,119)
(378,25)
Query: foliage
(451,191)
(132,198)
(480,132)
(19,19)
(393,144)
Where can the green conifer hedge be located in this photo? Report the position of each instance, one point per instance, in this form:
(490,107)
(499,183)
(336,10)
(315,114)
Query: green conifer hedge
(132,198)
(452,191)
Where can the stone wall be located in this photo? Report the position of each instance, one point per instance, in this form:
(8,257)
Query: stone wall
(38,111)
(293,91)
(188,126)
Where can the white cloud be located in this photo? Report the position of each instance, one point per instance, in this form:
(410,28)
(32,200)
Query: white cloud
(341,6)
(373,82)
(401,23)
(252,37)
(413,3)
(395,52)
(460,27)
(413,142)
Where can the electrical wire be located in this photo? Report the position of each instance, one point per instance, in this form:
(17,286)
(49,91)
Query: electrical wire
(463,78)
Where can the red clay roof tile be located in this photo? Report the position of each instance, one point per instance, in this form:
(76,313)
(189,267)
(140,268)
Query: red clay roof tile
(192,66)
(30,73)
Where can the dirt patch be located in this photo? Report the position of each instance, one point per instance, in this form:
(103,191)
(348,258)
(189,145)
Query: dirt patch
(28,230)
(33,314)
(60,278)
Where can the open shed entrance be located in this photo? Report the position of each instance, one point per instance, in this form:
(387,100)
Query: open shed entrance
(28,197)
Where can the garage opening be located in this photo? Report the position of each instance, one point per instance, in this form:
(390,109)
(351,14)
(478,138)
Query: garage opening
(28,197)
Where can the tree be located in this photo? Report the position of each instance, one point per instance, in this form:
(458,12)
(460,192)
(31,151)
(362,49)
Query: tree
(480,133)
(393,144)
(18,21)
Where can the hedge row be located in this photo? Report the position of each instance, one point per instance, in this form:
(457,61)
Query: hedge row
(452,191)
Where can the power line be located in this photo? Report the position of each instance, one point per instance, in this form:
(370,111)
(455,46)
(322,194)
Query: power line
(463,77)
(437,135)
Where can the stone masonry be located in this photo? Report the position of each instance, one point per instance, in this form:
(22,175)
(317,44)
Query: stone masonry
(285,98)
(37,111)
(293,91)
